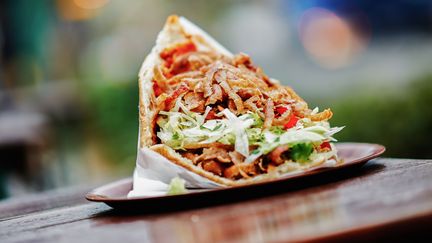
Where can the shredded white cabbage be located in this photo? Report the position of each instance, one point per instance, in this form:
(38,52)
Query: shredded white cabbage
(178,129)
(239,125)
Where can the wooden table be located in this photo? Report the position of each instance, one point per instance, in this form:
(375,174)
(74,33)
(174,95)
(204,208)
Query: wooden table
(386,199)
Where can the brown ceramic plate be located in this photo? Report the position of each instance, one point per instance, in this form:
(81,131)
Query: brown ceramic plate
(353,154)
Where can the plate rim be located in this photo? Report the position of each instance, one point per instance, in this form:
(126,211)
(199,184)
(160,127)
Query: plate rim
(93,196)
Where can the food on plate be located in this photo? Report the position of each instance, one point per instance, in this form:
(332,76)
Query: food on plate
(220,116)
(177,186)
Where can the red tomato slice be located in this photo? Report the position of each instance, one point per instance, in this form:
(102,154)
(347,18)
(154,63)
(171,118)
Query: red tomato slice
(180,90)
(325,145)
(281,109)
(169,54)
(187,47)
(292,122)
(211,115)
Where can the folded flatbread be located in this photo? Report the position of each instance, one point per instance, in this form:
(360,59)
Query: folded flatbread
(218,115)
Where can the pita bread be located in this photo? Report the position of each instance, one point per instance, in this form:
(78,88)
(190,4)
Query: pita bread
(178,29)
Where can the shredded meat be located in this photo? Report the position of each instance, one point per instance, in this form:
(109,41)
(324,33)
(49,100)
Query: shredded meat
(210,73)
(199,59)
(194,83)
(194,102)
(269,114)
(183,76)
(221,79)
(284,118)
(300,109)
(275,156)
(216,96)
(190,61)
(213,166)
(243,59)
(251,104)
(170,100)
(160,79)
(324,115)
(200,79)
(218,153)
(262,166)
(189,155)
(240,169)
(211,115)
(246,93)
(233,172)
(160,102)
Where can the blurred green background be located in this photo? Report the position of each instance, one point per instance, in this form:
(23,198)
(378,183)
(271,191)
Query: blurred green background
(69,95)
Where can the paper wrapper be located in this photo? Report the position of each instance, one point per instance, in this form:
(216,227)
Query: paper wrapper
(153,173)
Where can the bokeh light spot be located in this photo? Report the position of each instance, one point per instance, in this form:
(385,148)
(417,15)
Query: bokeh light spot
(328,38)
(90,4)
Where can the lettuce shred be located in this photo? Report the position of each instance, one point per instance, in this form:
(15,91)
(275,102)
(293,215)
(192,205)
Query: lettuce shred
(178,129)
(177,186)
(301,152)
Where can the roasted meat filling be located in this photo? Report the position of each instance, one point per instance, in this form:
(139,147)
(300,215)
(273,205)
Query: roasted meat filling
(207,83)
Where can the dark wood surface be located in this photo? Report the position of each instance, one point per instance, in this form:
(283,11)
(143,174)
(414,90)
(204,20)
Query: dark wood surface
(385,199)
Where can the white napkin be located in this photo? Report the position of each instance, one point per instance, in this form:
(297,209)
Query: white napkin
(153,173)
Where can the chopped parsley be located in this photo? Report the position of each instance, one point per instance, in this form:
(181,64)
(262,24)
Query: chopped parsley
(301,152)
